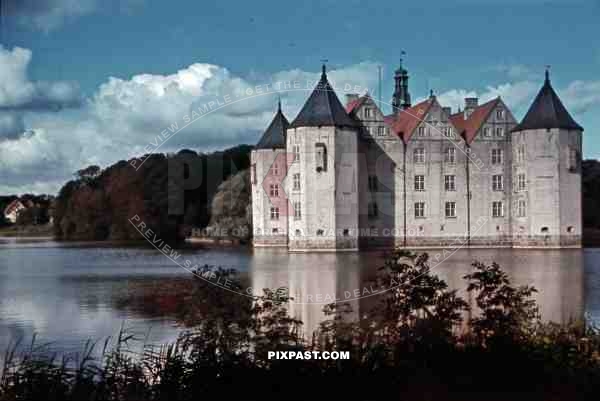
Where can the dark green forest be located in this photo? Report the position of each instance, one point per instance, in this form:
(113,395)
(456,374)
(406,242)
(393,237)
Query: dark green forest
(170,193)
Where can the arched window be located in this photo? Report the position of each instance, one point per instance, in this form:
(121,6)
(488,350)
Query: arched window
(321,157)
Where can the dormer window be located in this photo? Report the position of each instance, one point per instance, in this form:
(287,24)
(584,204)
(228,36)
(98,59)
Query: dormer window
(321,157)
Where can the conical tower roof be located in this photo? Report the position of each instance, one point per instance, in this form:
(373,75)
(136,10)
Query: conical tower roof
(274,136)
(323,108)
(547,111)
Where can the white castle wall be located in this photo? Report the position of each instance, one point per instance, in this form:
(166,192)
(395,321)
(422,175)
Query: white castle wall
(267,231)
(553,192)
(435,228)
(334,204)
(328,199)
(486,229)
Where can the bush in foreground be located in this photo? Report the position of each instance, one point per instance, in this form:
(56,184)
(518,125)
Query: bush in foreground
(415,344)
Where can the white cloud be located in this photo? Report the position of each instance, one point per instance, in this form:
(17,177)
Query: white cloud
(17,92)
(581,96)
(125,115)
(515,95)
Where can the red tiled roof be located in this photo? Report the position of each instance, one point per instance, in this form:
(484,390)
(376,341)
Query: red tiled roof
(469,128)
(353,105)
(356,103)
(407,120)
(13,206)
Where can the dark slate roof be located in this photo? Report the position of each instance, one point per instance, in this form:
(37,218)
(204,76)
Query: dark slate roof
(323,108)
(274,136)
(547,111)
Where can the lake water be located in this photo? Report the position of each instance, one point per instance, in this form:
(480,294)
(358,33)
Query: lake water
(68,293)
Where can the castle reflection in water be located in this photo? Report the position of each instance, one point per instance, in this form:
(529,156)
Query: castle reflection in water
(314,279)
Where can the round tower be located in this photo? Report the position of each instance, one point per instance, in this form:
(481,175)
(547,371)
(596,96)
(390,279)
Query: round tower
(547,148)
(268,170)
(323,174)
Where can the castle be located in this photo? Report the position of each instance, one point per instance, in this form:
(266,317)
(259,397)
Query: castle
(349,177)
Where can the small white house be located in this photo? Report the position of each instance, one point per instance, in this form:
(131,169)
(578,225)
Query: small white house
(11,212)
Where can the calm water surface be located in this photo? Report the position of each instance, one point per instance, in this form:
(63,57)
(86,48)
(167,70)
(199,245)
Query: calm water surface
(67,294)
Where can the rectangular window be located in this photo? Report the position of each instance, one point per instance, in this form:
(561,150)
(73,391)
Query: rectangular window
(521,183)
(499,132)
(373,183)
(498,182)
(419,155)
(450,209)
(487,132)
(274,190)
(448,132)
(275,169)
(296,152)
(497,209)
(368,112)
(372,211)
(254,173)
(296,181)
(421,131)
(297,211)
(521,153)
(419,183)
(321,157)
(500,114)
(573,159)
(274,213)
(450,183)
(497,156)
(521,208)
(381,130)
(450,155)
(420,209)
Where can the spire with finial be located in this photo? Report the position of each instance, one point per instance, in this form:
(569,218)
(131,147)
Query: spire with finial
(323,108)
(431,94)
(547,111)
(279,103)
(324,69)
(401,97)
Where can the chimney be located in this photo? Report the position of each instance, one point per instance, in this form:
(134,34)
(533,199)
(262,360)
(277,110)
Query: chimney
(470,104)
(350,97)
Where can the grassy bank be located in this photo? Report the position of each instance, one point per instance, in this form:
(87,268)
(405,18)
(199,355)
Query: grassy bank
(40,230)
(418,343)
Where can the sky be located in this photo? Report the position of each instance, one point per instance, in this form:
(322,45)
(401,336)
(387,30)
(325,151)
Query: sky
(95,81)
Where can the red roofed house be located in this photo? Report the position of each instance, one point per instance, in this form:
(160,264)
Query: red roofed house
(12,210)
